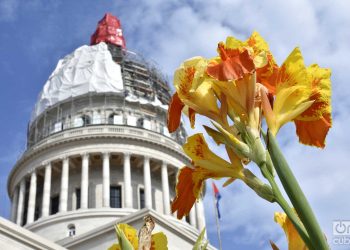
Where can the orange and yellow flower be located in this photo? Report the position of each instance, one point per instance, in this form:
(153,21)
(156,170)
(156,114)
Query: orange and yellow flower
(313,124)
(302,96)
(293,237)
(207,165)
(193,93)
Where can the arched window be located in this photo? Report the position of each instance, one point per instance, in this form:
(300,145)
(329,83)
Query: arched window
(81,121)
(86,120)
(115,119)
(71,230)
(139,123)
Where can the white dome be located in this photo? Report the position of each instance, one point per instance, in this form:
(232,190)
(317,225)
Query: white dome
(87,69)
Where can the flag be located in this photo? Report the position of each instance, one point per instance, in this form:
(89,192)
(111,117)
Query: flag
(217,198)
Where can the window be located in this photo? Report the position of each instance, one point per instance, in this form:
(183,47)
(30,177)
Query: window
(142,197)
(26,200)
(77,195)
(86,120)
(71,230)
(115,197)
(57,127)
(54,204)
(115,119)
(140,123)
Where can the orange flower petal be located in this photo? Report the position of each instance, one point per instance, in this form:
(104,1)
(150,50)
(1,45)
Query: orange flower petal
(185,198)
(313,132)
(234,64)
(174,113)
(313,124)
(189,188)
(267,75)
(192,116)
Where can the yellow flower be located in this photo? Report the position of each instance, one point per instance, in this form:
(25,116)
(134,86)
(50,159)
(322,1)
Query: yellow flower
(207,165)
(193,89)
(313,124)
(159,240)
(293,91)
(303,96)
(295,242)
(240,66)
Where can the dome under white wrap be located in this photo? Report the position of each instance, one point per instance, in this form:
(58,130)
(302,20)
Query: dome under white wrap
(87,69)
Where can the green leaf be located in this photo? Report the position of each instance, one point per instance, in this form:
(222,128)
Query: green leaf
(201,243)
(123,241)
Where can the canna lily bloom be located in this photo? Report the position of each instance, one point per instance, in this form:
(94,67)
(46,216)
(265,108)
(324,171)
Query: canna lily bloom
(313,124)
(259,51)
(293,93)
(303,96)
(191,180)
(237,70)
(159,240)
(295,242)
(235,79)
(193,89)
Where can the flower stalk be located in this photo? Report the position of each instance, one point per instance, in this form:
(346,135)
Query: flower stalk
(296,195)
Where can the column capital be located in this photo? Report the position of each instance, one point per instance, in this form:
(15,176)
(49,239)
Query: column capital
(85,155)
(46,163)
(106,153)
(125,154)
(64,157)
(146,158)
(164,163)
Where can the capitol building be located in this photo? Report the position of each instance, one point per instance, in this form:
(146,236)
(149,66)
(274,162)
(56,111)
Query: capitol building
(98,153)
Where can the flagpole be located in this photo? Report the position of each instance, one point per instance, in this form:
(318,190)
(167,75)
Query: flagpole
(217,221)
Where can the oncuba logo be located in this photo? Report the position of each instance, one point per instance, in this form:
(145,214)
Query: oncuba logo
(341,232)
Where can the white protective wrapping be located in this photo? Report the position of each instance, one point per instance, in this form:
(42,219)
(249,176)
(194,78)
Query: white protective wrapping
(156,102)
(87,69)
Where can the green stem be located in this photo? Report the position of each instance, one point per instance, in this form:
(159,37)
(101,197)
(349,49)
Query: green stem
(286,208)
(296,195)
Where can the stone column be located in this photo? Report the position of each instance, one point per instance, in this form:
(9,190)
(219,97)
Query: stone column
(200,215)
(105,180)
(45,209)
(32,196)
(193,217)
(64,185)
(127,181)
(14,204)
(147,182)
(165,187)
(84,190)
(22,189)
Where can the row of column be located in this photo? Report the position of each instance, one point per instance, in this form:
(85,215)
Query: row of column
(196,215)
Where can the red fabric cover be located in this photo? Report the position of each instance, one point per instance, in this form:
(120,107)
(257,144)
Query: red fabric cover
(109,31)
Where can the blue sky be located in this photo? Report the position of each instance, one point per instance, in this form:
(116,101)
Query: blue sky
(36,34)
